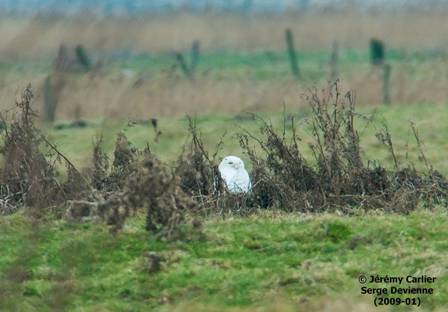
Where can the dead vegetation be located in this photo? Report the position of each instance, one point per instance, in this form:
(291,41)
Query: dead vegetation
(198,171)
(29,176)
(136,181)
(337,178)
(158,190)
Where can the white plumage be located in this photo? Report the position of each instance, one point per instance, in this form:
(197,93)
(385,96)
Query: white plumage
(234,175)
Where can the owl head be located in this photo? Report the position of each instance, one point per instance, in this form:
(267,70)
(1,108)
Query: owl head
(231,162)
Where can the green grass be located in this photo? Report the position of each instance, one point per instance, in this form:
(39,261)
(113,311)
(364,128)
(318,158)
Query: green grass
(236,263)
(266,262)
(267,65)
(429,119)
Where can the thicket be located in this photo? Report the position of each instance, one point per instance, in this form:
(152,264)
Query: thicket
(172,196)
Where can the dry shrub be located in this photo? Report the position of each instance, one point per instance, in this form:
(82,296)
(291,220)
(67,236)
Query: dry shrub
(29,176)
(99,175)
(108,178)
(199,177)
(336,148)
(336,177)
(138,181)
(158,190)
(197,170)
(111,181)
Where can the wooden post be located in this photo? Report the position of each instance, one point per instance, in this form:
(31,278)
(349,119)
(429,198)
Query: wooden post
(195,54)
(377,52)
(292,53)
(52,89)
(386,84)
(49,100)
(83,57)
(183,65)
(334,59)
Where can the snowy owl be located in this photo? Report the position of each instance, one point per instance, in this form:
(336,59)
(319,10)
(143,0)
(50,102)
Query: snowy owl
(234,175)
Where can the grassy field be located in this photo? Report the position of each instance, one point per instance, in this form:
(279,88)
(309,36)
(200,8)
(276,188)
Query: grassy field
(264,263)
(149,84)
(270,260)
(428,118)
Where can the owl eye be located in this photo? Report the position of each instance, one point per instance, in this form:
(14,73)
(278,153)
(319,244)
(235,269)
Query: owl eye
(230,163)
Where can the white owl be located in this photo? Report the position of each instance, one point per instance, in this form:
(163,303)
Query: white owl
(234,175)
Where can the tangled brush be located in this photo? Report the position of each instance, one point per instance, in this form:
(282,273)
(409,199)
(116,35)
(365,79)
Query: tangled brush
(159,192)
(29,177)
(336,177)
(137,181)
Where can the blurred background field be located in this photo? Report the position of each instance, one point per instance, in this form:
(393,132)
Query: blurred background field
(242,62)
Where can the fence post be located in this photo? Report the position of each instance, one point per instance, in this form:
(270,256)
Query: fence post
(334,59)
(83,57)
(195,54)
(189,70)
(49,100)
(386,83)
(183,65)
(377,51)
(292,53)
